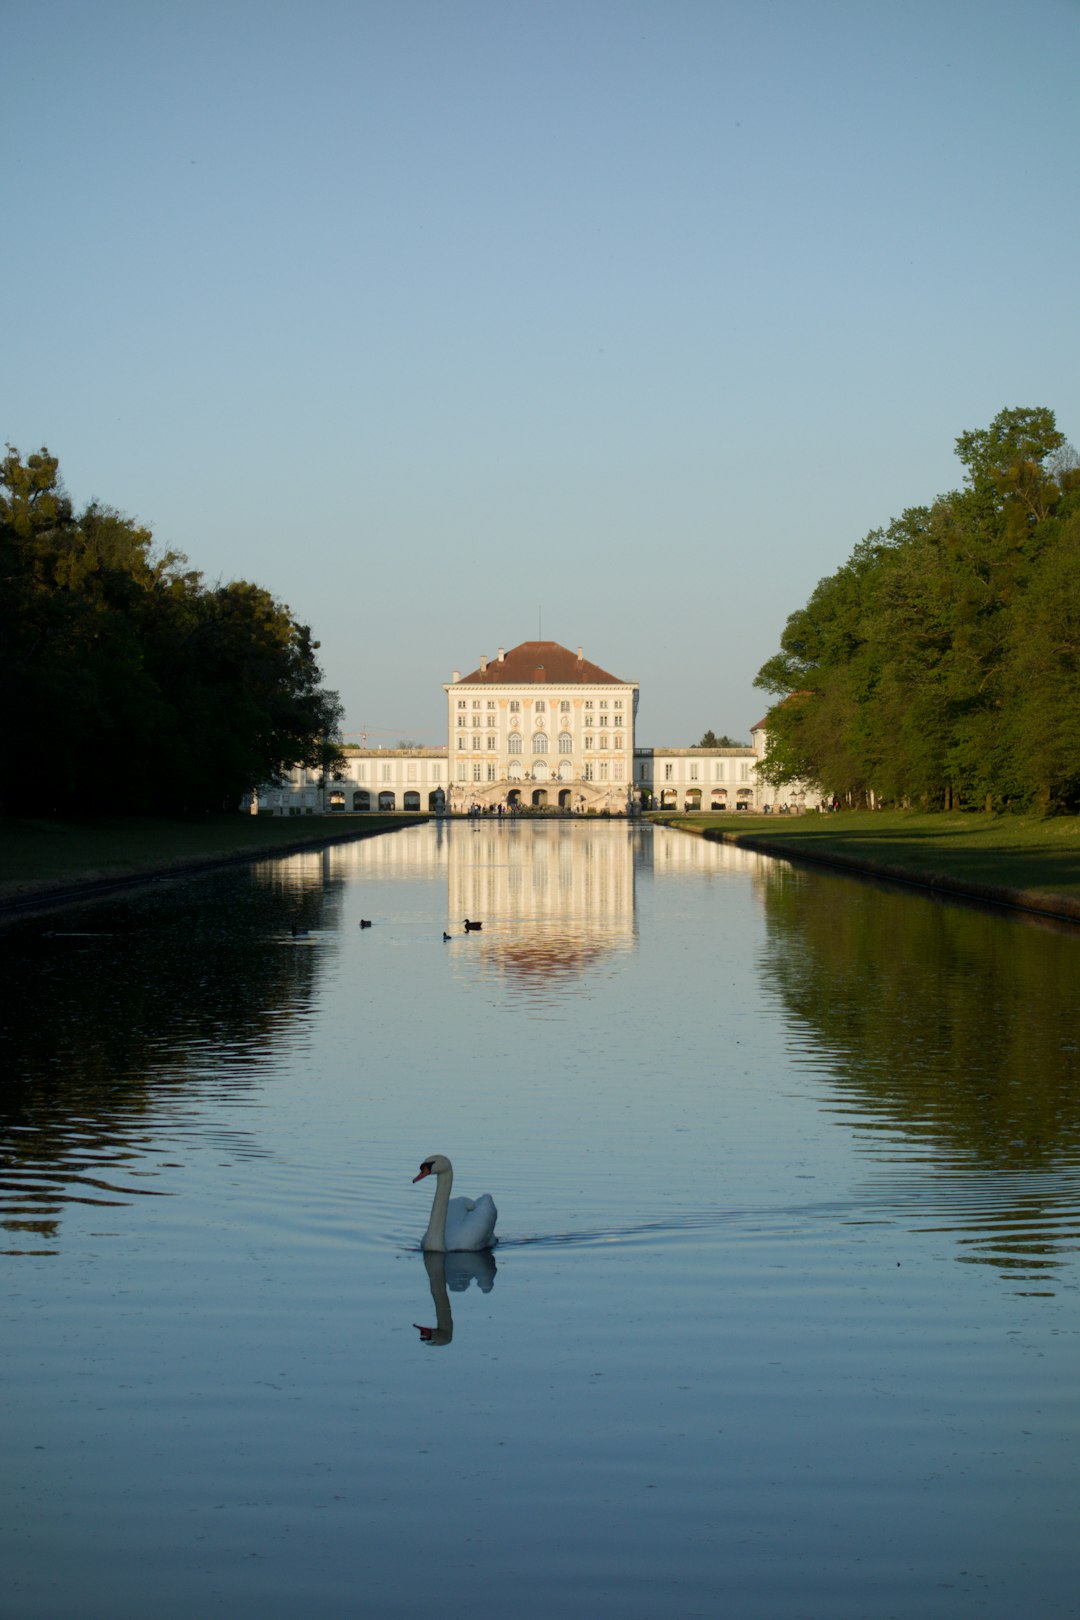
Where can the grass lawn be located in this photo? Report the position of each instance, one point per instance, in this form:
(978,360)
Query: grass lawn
(36,855)
(1028,856)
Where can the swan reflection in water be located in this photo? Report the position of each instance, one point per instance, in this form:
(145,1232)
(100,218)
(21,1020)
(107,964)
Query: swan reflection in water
(453,1272)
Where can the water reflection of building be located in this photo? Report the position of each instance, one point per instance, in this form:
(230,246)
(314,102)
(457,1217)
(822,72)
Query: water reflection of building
(554,895)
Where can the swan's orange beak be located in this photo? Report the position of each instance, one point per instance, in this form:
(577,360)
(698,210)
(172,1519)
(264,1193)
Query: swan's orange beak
(425,1170)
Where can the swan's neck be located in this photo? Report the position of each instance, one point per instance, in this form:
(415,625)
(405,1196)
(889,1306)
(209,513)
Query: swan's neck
(434,1239)
(443,1331)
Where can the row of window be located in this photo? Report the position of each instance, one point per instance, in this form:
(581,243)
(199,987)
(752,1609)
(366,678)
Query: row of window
(745,766)
(480,720)
(386,771)
(540,704)
(515,743)
(479,772)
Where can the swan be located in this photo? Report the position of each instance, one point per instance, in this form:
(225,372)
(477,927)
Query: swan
(458,1224)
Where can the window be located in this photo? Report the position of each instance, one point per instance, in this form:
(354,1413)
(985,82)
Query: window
(491,771)
(603,719)
(410,771)
(693,770)
(587,773)
(461,719)
(476,771)
(491,743)
(384,772)
(461,703)
(476,721)
(461,770)
(618,719)
(603,770)
(514,705)
(566,743)
(588,742)
(618,703)
(540,707)
(491,703)
(588,703)
(463,742)
(564,706)
(667,772)
(539,743)
(744,772)
(603,703)
(514,744)
(476,703)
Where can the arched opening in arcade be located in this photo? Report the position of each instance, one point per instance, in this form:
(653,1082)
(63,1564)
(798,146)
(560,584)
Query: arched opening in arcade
(564,798)
(361,799)
(540,798)
(412,801)
(387,801)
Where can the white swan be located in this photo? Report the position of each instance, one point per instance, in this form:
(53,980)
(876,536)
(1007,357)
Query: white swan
(457,1224)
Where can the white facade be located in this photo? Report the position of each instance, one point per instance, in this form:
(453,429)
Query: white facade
(536,728)
(372,779)
(691,779)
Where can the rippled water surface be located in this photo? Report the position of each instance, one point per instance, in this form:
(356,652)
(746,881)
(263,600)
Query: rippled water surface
(783,1321)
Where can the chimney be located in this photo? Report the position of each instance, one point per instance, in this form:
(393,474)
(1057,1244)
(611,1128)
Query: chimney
(579,655)
(455,677)
(502,655)
(483,663)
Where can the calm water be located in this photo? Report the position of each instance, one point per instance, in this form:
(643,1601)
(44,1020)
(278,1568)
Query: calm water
(784,1320)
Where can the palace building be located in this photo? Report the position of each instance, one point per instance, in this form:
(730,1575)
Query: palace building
(541,728)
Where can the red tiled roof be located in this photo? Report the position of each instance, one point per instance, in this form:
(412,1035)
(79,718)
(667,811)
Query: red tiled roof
(541,661)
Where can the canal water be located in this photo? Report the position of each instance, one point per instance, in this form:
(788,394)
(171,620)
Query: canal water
(783,1320)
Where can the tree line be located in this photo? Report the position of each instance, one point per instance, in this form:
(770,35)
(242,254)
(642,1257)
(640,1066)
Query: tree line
(128,683)
(939,666)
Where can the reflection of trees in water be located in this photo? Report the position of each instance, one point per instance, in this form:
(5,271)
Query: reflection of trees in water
(113,1012)
(953,1024)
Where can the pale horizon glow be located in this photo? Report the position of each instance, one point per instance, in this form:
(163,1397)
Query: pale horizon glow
(625,319)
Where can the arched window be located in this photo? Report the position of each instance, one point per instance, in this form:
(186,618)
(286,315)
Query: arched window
(514,744)
(566,743)
(539,742)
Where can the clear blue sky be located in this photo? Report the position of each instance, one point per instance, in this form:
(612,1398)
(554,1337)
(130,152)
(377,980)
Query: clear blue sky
(434,316)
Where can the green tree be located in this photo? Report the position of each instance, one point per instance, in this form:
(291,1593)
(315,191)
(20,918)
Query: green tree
(906,662)
(124,682)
